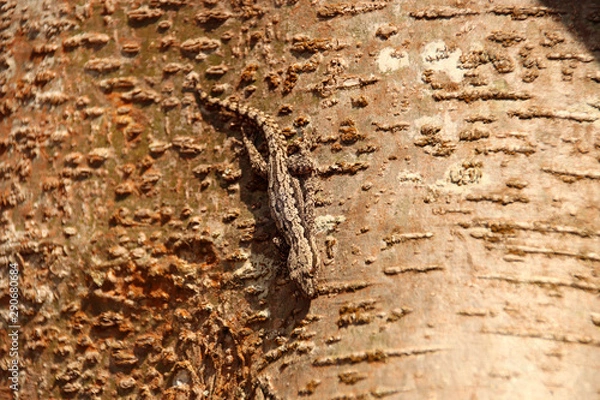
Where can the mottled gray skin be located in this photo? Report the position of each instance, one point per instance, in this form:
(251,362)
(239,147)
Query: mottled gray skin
(290,199)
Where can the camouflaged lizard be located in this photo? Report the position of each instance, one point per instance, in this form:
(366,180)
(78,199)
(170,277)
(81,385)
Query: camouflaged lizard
(290,198)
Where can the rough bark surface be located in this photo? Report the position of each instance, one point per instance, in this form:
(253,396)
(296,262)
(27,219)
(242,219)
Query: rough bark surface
(457,146)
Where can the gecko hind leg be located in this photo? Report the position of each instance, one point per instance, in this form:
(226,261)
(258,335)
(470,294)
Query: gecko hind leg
(257,161)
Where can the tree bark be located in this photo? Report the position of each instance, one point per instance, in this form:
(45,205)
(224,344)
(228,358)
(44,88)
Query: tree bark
(457,219)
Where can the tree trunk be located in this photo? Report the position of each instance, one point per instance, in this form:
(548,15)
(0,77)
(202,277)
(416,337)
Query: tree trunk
(457,217)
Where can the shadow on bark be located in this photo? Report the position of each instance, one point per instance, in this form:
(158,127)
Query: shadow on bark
(582,19)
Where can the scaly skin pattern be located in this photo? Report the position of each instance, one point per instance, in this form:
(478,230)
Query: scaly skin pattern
(290,201)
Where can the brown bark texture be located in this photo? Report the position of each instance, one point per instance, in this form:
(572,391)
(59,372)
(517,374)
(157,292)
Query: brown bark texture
(457,153)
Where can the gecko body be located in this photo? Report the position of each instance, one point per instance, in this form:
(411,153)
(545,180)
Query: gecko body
(290,199)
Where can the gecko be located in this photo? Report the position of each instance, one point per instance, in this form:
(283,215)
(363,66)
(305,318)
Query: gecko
(291,200)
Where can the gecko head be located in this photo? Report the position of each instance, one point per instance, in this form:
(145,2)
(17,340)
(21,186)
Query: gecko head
(303,272)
